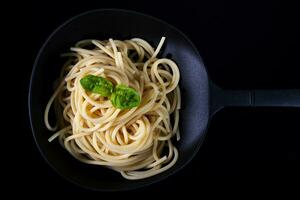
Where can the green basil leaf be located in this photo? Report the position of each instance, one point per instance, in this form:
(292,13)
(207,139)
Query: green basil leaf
(97,84)
(125,97)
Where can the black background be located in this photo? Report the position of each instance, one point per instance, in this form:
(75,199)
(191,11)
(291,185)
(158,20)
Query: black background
(243,45)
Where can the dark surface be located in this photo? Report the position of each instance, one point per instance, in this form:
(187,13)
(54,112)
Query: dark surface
(249,45)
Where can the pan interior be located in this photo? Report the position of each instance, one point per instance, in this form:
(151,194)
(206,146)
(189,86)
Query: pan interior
(118,24)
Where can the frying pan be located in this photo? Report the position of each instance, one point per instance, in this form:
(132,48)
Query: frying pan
(201,97)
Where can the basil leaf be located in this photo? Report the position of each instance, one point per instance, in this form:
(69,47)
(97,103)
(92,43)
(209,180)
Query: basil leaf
(97,84)
(125,97)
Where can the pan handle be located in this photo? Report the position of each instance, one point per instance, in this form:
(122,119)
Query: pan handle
(221,98)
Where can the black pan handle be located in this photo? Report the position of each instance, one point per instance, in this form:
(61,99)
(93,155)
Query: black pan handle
(221,98)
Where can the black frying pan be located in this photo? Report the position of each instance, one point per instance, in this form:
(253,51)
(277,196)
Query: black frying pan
(201,98)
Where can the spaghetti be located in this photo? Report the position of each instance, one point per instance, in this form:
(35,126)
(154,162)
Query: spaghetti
(136,142)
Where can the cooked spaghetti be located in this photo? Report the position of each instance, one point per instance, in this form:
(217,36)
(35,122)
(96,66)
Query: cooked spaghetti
(137,142)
